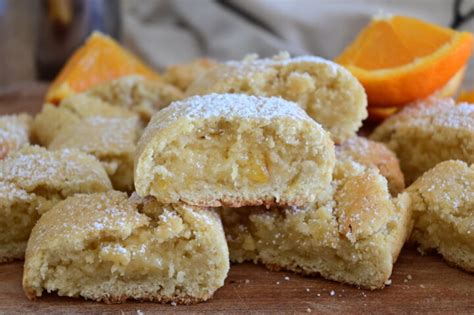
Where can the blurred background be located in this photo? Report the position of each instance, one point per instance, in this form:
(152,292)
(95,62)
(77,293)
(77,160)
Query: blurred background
(38,36)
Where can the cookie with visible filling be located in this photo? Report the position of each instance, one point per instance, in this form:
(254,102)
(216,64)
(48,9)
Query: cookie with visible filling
(234,150)
(352,234)
(106,247)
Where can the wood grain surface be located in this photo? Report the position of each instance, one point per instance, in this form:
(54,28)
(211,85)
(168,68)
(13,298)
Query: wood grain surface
(420,284)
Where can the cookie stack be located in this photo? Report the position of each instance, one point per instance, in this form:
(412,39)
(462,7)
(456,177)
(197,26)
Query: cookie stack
(284,199)
(255,160)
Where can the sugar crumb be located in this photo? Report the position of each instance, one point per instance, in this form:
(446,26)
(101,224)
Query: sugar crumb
(332,293)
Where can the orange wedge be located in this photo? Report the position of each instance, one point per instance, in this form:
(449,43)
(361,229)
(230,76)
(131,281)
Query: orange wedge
(378,114)
(99,59)
(401,59)
(466,96)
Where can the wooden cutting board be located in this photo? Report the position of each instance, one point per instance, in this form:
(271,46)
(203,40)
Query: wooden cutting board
(420,284)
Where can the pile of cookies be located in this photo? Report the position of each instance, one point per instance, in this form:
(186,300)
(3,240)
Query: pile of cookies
(145,190)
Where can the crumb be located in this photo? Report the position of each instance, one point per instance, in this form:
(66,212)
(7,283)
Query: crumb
(422,286)
(307,289)
(287,278)
(332,293)
(278,282)
(173,303)
(388,282)
(247,281)
(409,277)
(139,312)
(308,310)
(319,294)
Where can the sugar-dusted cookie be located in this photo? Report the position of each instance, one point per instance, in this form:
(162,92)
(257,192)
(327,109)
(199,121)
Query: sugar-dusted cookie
(52,119)
(137,94)
(111,140)
(32,180)
(234,150)
(125,97)
(443,211)
(326,91)
(353,235)
(105,247)
(427,133)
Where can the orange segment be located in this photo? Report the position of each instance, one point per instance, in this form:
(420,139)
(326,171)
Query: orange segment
(451,88)
(381,113)
(466,96)
(99,59)
(401,59)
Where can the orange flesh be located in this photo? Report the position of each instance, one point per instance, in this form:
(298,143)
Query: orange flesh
(401,59)
(99,59)
(394,43)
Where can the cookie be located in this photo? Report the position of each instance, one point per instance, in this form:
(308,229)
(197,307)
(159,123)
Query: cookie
(443,212)
(141,96)
(427,133)
(111,140)
(330,94)
(33,180)
(52,119)
(353,234)
(183,75)
(105,247)
(233,150)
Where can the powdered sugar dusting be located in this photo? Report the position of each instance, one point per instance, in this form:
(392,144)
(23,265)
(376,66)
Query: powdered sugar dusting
(428,114)
(14,133)
(86,216)
(228,107)
(63,170)
(448,189)
(237,106)
(10,194)
(252,64)
(101,136)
